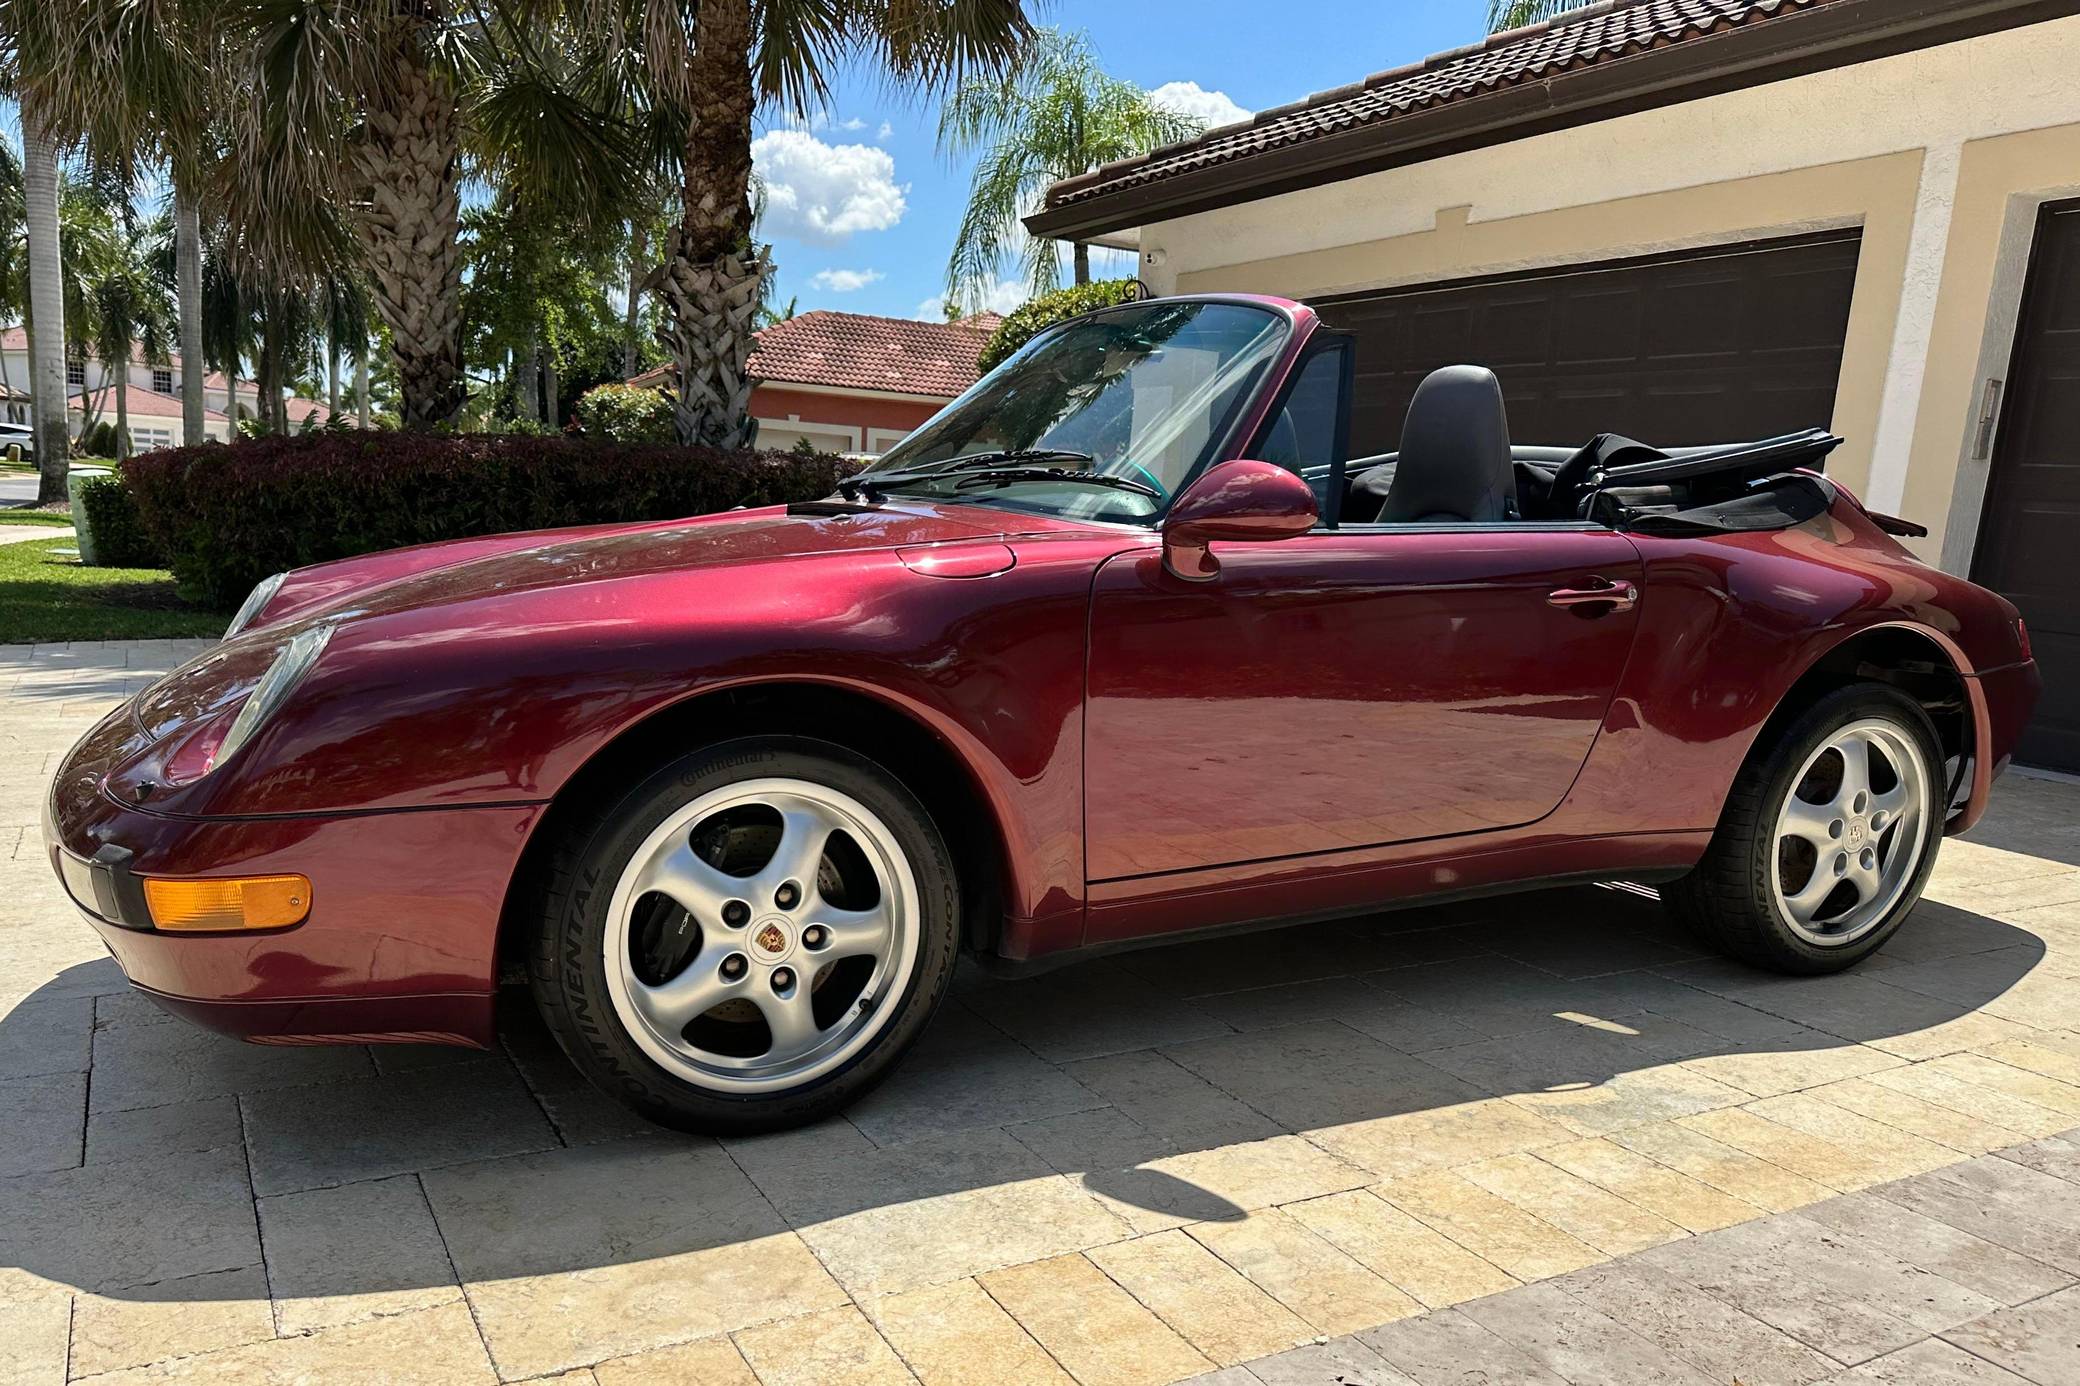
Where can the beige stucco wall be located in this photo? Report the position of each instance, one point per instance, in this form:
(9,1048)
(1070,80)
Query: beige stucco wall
(1940,156)
(1877,194)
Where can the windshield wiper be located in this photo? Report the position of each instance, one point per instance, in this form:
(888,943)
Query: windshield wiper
(1005,476)
(870,486)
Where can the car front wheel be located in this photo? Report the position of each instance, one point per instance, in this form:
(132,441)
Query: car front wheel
(750,938)
(1827,839)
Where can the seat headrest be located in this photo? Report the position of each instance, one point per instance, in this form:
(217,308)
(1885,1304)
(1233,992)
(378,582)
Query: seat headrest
(1455,459)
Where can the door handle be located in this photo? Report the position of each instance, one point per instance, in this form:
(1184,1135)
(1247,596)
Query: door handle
(1618,596)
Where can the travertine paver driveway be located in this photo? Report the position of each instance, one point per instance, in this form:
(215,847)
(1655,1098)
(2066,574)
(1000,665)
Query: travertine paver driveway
(1132,1171)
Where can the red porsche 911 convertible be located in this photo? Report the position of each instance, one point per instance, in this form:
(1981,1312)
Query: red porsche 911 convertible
(1119,648)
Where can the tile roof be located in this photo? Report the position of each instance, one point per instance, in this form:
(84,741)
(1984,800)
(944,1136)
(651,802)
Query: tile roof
(17,339)
(1600,33)
(853,351)
(142,403)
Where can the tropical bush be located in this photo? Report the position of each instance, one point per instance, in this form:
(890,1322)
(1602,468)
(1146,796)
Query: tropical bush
(101,440)
(1037,315)
(120,538)
(626,414)
(227,516)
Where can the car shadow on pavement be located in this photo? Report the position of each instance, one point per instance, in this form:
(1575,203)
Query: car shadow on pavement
(1068,1111)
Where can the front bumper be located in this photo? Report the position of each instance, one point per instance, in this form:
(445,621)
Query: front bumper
(402,935)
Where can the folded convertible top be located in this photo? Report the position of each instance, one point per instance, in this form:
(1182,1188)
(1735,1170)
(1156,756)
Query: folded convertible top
(1808,450)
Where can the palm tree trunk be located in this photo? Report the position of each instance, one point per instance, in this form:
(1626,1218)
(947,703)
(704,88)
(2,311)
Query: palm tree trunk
(187,249)
(410,161)
(331,381)
(46,306)
(712,274)
(7,390)
(1083,263)
(550,416)
(123,421)
(361,380)
(527,389)
(631,348)
(269,366)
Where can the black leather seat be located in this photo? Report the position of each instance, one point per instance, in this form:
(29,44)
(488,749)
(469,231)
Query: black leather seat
(1455,460)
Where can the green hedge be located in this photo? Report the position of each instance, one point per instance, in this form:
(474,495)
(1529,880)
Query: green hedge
(120,537)
(626,414)
(229,515)
(1035,316)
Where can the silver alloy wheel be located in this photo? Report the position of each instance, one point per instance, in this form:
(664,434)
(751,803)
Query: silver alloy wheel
(767,939)
(1850,836)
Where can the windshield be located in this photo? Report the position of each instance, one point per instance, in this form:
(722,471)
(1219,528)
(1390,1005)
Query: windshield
(1140,395)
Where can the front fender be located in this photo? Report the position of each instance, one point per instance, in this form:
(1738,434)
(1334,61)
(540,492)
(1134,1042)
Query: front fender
(502,699)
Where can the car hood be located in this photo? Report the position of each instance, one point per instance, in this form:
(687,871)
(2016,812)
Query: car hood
(432,577)
(463,570)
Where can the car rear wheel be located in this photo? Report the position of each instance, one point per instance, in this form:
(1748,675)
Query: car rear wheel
(750,938)
(1827,839)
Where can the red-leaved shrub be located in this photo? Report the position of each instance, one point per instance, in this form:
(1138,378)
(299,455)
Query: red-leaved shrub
(229,515)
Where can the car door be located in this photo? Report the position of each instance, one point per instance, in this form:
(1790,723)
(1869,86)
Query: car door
(1350,688)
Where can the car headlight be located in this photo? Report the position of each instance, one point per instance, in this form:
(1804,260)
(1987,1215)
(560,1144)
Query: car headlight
(274,687)
(256,602)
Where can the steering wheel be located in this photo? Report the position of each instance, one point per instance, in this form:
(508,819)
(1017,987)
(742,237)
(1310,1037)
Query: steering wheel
(1153,479)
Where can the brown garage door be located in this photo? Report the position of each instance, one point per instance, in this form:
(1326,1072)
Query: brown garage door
(1707,347)
(2031,522)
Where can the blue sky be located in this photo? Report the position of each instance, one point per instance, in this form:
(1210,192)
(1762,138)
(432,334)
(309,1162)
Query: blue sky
(862,209)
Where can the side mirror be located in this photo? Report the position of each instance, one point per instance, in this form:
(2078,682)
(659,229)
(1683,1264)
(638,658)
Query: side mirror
(1241,502)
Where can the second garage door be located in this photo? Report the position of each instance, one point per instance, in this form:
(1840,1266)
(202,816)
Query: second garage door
(1714,346)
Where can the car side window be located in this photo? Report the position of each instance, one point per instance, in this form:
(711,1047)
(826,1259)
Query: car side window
(1305,432)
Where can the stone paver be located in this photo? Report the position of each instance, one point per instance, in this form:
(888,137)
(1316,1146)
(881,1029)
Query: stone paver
(1547,1139)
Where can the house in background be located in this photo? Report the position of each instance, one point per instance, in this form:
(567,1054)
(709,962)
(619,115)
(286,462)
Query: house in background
(1696,221)
(847,382)
(154,395)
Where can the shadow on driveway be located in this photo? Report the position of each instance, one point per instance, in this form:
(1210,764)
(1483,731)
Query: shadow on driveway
(1115,1098)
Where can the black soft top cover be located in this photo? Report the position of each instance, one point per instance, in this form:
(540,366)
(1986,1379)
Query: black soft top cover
(1629,485)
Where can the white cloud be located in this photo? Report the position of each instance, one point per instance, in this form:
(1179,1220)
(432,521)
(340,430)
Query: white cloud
(885,131)
(1001,296)
(823,193)
(1189,98)
(852,123)
(845,281)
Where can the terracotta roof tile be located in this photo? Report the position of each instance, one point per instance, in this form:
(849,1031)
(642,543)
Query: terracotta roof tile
(853,351)
(142,404)
(1608,31)
(17,339)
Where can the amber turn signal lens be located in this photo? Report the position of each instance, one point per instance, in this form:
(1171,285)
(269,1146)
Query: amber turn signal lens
(246,902)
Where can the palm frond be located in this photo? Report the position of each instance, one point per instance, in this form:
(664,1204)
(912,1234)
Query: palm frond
(1515,14)
(1055,115)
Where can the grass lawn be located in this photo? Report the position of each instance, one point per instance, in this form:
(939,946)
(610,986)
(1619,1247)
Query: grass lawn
(47,598)
(35,517)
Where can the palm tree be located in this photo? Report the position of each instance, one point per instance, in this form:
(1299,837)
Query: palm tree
(14,271)
(1515,14)
(1054,117)
(228,316)
(711,64)
(132,313)
(343,315)
(22,24)
(46,304)
(398,104)
(134,83)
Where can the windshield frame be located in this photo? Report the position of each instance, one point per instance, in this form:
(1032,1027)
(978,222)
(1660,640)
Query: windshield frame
(1244,416)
